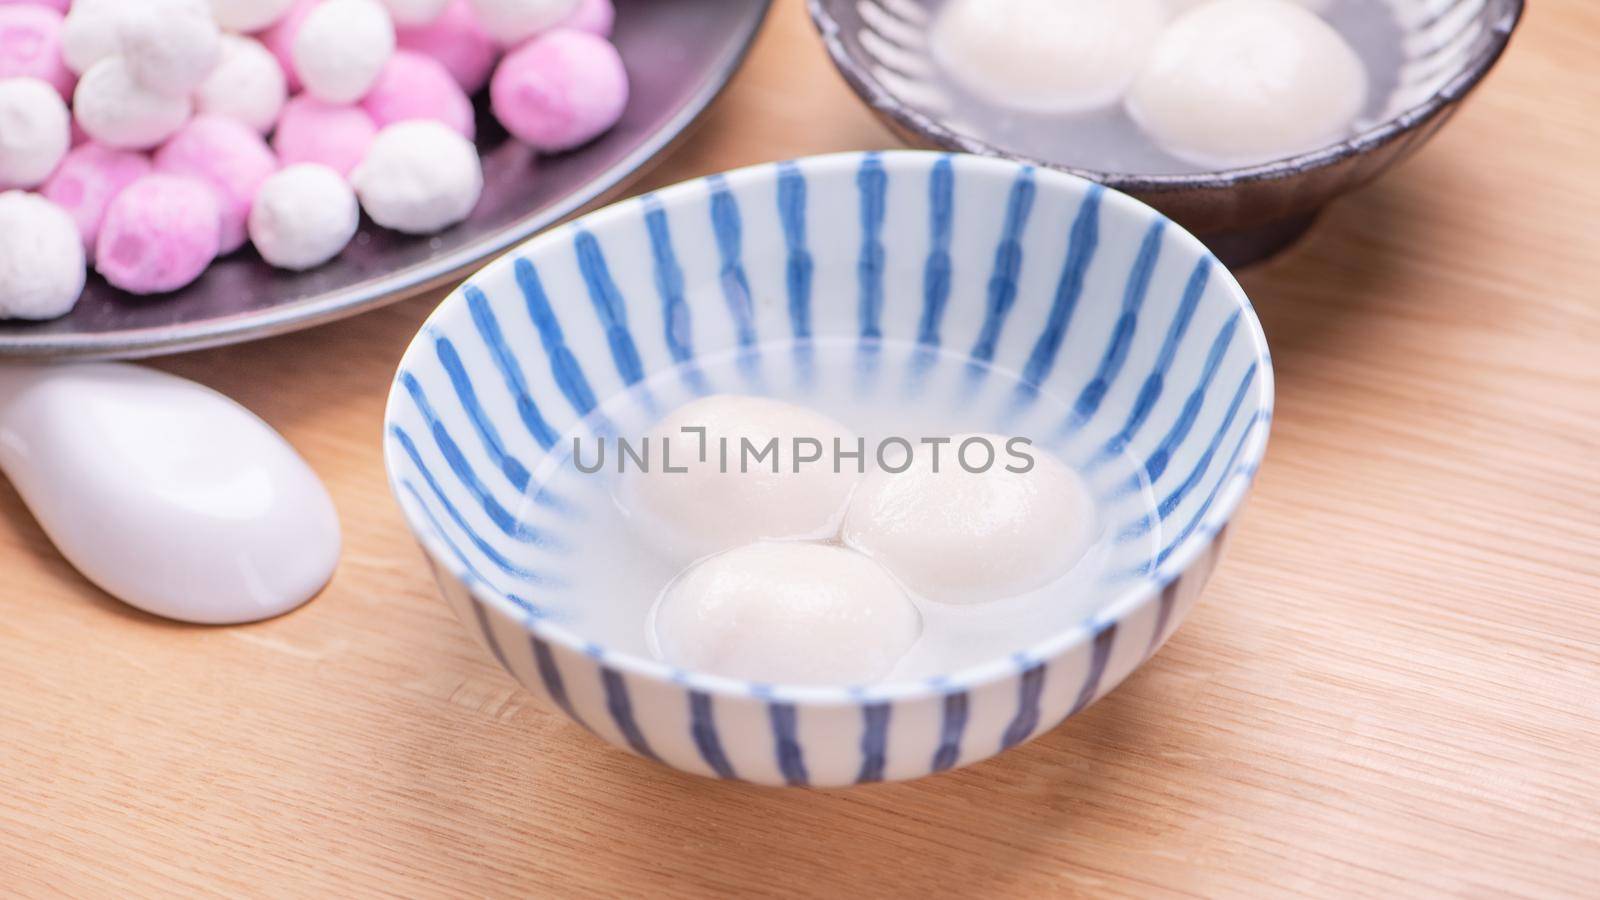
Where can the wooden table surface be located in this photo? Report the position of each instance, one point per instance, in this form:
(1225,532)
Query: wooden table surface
(1393,684)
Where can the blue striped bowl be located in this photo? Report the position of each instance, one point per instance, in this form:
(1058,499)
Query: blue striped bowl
(1092,294)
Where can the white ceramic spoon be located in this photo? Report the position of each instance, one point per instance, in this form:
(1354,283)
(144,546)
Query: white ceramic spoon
(166,494)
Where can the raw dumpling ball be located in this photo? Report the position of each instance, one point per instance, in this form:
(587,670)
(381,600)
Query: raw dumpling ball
(315,132)
(1239,82)
(35,131)
(169,46)
(1047,56)
(419,177)
(229,156)
(960,536)
(248,15)
(458,42)
(117,111)
(88,180)
(341,48)
(30,47)
(303,216)
(513,21)
(90,32)
(787,613)
(413,86)
(415,12)
(710,507)
(593,16)
(247,84)
(159,234)
(41,258)
(560,90)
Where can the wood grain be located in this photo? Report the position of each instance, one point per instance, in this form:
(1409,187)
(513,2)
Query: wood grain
(1393,686)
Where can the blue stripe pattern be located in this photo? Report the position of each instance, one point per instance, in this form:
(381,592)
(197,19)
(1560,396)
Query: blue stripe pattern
(791,759)
(703,727)
(1116,352)
(505,361)
(1168,324)
(951,727)
(1002,290)
(608,304)
(874,741)
(1029,689)
(621,709)
(872,184)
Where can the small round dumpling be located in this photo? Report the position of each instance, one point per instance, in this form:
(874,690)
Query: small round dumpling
(159,234)
(30,47)
(169,47)
(1047,56)
(513,21)
(787,613)
(91,31)
(333,135)
(711,507)
(960,526)
(247,85)
(415,86)
(1240,82)
(41,258)
(228,155)
(35,131)
(419,177)
(117,111)
(458,42)
(560,90)
(341,48)
(303,216)
(88,180)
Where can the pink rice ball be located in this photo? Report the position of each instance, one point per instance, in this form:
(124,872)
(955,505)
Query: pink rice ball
(458,42)
(593,16)
(30,47)
(159,234)
(413,86)
(310,131)
(231,157)
(91,176)
(280,38)
(560,90)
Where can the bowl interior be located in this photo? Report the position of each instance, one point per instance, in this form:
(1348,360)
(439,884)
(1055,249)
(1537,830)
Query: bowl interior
(1420,53)
(1077,316)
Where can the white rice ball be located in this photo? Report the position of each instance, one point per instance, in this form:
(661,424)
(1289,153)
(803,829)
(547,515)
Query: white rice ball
(247,85)
(415,12)
(170,48)
(35,131)
(419,177)
(1240,82)
(787,613)
(248,15)
(1047,56)
(117,111)
(513,21)
(977,531)
(714,506)
(303,216)
(341,48)
(91,32)
(41,258)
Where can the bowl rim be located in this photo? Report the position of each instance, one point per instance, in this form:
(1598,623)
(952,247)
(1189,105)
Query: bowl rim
(1506,14)
(1125,602)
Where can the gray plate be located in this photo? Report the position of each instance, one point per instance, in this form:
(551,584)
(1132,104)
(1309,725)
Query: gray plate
(679,55)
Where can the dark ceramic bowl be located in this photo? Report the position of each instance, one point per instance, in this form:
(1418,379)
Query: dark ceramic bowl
(679,55)
(1245,214)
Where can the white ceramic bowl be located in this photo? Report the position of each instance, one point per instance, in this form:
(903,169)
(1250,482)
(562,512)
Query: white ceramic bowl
(1092,294)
